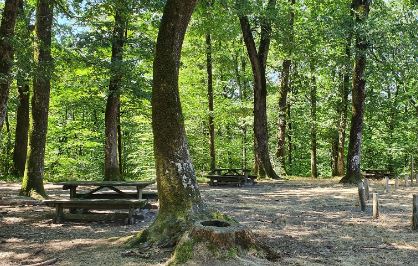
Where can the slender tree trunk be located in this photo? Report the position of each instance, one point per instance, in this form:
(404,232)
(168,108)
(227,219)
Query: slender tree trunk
(112,167)
(289,140)
(32,184)
(343,111)
(23,56)
(314,161)
(281,142)
(353,175)
(210,100)
(392,123)
(7,28)
(22,129)
(120,147)
(178,192)
(283,91)
(258,62)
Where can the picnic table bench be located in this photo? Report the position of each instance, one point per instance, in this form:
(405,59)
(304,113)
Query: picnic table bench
(377,173)
(95,204)
(231,176)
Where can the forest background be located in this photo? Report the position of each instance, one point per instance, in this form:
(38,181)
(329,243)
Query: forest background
(315,42)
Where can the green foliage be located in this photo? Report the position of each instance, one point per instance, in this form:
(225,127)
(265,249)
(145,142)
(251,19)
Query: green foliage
(82,50)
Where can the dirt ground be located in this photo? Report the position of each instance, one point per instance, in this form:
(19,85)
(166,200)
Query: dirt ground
(308,222)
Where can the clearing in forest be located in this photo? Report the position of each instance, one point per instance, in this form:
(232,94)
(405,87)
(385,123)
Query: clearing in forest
(309,222)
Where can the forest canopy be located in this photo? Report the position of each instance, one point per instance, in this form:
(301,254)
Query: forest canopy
(315,36)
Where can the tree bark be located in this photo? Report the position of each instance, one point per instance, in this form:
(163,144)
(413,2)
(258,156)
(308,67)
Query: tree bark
(178,191)
(314,161)
(258,61)
(7,28)
(283,91)
(112,167)
(345,91)
(22,129)
(23,56)
(210,100)
(353,175)
(32,184)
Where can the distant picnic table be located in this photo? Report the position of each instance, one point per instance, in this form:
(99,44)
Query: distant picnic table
(231,176)
(377,173)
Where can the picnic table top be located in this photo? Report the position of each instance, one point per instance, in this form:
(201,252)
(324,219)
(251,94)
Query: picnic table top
(232,169)
(106,183)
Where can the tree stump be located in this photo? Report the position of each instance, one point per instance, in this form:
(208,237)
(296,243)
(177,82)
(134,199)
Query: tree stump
(211,241)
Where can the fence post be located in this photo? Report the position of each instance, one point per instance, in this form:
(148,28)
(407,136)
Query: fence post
(415,212)
(362,196)
(387,184)
(396,182)
(375,206)
(366,188)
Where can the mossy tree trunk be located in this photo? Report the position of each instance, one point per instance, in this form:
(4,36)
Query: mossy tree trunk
(7,29)
(258,61)
(178,192)
(353,175)
(112,170)
(32,184)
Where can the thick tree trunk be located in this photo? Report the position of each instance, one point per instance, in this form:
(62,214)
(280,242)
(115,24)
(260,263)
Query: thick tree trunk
(258,62)
(178,192)
(7,28)
(22,129)
(32,184)
(353,175)
(314,161)
(210,100)
(112,167)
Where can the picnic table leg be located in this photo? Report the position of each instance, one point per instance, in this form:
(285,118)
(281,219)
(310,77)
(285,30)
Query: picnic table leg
(138,193)
(130,215)
(73,195)
(59,215)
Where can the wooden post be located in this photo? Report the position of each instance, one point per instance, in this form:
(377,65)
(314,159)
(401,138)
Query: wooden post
(375,206)
(59,213)
(416,178)
(406,180)
(387,185)
(362,196)
(396,182)
(412,169)
(415,212)
(366,188)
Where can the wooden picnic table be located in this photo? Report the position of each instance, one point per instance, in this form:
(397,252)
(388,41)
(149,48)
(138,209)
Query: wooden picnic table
(377,173)
(99,186)
(231,176)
